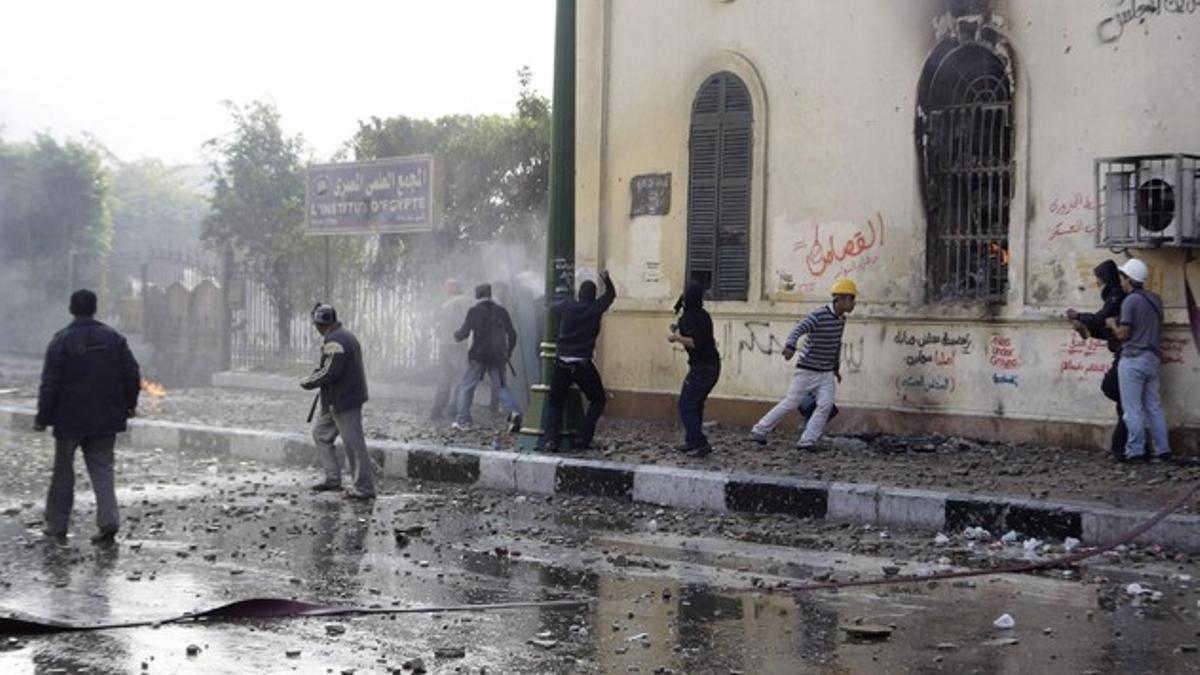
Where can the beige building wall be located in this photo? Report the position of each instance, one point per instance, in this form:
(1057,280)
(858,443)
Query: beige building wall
(834,89)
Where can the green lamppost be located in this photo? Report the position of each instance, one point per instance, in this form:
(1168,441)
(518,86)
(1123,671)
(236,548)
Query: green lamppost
(560,236)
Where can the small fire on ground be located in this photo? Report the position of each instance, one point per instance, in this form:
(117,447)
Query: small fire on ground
(153,388)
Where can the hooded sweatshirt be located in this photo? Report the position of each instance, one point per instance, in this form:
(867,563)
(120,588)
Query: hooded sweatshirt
(1112,296)
(579,322)
(697,324)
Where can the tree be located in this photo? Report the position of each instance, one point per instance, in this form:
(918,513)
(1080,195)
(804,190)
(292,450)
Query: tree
(496,168)
(156,206)
(257,207)
(54,221)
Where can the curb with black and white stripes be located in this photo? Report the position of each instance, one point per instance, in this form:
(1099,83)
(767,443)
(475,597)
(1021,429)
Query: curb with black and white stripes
(725,492)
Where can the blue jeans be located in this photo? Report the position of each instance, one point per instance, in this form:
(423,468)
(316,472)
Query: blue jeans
(476,371)
(697,385)
(1138,377)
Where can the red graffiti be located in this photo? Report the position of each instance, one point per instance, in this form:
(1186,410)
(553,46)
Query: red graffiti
(821,257)
(1078,226)
(1073,366)
(1076,202)
(1001,353)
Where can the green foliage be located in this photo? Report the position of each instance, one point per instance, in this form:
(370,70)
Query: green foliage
(257,206)
(54,213)
(156,206)
(496,168)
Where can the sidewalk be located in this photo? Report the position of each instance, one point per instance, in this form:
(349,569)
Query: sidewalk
(932,483)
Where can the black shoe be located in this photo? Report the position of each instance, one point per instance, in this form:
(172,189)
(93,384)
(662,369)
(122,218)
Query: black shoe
(550,447)
(1162,459)
(701,451)
(682,447)
(1140,459)
(108,538)
(358,496)
(325,486)
(514,422)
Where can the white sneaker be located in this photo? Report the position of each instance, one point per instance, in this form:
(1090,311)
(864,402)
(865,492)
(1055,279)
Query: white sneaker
(460,426)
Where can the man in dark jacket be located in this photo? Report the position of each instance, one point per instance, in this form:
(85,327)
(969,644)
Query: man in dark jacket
(90,387)
(1095,325)
(343,384)
(493,339)
(578,328)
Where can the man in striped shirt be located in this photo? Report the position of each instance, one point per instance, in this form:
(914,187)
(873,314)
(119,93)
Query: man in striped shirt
(818,370)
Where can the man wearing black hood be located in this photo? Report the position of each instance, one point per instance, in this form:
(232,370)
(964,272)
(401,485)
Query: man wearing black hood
(1093,324)
(695,332)
(578,328)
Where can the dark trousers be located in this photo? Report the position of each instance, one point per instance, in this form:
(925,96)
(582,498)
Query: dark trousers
(98,455)
(1111,386)
(585,376)
(697,385)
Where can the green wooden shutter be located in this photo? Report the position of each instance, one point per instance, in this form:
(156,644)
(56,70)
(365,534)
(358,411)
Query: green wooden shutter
(719,169)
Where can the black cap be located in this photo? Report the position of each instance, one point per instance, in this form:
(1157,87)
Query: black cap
(83,303)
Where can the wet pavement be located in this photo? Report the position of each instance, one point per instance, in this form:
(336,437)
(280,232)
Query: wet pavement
(930,462)
(672,591)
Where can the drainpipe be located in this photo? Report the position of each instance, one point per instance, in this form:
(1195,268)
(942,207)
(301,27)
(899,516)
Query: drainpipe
(560,235)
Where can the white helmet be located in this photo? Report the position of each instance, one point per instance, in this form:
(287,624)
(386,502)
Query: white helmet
(1135,269)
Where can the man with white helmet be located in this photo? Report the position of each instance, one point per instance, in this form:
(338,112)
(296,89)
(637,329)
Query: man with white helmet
(1140,332)
(818,370)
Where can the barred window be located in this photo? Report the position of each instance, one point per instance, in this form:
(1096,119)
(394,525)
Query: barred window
(719,167)
(964,141)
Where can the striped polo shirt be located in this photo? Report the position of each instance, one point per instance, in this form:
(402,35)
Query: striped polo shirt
(823,349)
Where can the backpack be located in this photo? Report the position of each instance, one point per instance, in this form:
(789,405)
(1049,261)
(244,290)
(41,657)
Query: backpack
(492,338)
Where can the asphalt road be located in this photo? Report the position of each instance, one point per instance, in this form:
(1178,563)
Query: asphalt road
(670,591)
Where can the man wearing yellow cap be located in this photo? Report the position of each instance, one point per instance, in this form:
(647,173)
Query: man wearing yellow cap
(818,370)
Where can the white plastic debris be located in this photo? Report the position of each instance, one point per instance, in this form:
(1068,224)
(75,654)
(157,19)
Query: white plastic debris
(1137,589)
(1010,537)
(976,534)
(1070,544)
(941,539)
(652,525)
(1032,545)
(639,636)
(1005,622)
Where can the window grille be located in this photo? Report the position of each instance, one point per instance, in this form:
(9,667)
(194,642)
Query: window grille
(965,140)
(719,167)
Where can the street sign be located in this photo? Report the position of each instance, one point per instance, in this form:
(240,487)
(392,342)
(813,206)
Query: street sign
(397,194)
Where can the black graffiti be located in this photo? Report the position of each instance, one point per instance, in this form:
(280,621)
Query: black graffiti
(760,339)
(964,340)
(1112,28)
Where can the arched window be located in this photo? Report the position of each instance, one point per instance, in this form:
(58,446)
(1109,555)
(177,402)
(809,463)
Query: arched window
(719,167)
(965,145)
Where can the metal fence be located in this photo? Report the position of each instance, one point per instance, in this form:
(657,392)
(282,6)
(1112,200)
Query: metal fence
(387,315)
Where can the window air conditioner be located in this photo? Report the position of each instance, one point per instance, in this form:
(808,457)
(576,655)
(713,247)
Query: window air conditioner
(1148,200)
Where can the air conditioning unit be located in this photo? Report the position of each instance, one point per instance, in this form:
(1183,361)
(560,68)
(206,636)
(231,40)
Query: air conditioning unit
(1148,200)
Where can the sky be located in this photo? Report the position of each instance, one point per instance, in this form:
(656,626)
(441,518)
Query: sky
(147,78)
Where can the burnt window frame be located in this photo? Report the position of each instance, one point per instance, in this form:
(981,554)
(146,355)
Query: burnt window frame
(966,145)
(720,175)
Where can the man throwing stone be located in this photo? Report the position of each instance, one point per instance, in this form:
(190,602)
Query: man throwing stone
(579,326)
(343,384)
(90,386)
(817,371)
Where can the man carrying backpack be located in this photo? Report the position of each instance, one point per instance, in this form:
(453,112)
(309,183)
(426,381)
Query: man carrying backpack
(493,339)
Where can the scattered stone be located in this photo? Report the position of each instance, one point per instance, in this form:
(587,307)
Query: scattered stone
(335,629)
(1005,622)
(292,653)
(449,652)
(1002,642)
(890,570)
(416,665)
(946,647)
(544,644)
(193,650)
(1188,649)
(867,631)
